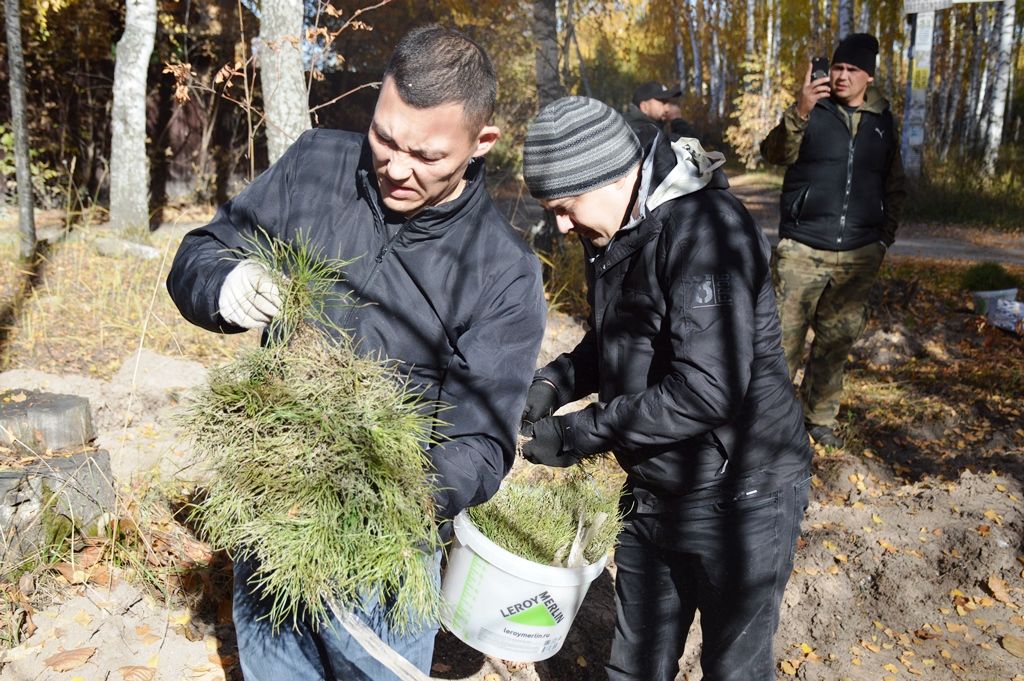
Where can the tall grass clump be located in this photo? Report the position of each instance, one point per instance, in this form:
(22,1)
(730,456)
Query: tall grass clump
(544,521)
(317,463)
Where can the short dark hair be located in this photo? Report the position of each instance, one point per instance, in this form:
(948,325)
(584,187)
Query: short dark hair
(433,65)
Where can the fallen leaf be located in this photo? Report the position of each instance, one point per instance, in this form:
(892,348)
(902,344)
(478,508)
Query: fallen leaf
(137,673)
(1013,645)
(83,618)
(787,668)
(997,587)
(67,660)
(20,397)
(581,661)
(72,574)
(89,556)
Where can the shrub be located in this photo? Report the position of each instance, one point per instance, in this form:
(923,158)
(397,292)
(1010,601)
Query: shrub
(988,276)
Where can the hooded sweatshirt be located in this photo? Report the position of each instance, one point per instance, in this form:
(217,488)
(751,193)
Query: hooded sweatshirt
(694,397)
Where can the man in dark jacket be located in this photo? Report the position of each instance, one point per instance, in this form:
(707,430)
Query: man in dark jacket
(693,395)
(447,289)
(652,107)
(840,206)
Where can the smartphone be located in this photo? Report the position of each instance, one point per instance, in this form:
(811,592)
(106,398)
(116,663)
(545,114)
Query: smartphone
(819,68)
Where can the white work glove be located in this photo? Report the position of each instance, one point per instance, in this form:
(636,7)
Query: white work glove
(249,297)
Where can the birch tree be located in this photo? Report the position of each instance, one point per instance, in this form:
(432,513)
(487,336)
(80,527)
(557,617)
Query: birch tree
(545,32)
(680,51)
(845,18)
(23,169)
(1000,86)
(129,167)
(285,101)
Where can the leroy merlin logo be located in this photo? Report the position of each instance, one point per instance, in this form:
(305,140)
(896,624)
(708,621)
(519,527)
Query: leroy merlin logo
(537,611)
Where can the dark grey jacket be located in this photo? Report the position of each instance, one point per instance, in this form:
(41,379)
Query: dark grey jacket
(453,294)
(684,347)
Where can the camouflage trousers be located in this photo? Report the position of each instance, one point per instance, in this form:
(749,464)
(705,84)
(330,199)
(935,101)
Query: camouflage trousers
(826,291)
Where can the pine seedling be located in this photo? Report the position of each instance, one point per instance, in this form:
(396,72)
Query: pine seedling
(540,521)
(317,462)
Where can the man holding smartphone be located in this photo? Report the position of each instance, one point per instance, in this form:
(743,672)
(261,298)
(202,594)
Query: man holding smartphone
(839,210)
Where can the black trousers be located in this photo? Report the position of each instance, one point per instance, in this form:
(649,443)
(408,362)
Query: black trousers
(730,560)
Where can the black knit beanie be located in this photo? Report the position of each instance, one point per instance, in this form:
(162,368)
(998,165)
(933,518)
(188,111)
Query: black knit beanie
(858,49)
(574,145)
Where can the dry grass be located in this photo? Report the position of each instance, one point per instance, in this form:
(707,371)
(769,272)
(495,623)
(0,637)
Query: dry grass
(89,312)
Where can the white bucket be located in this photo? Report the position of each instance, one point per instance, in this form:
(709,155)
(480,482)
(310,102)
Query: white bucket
(984,300)
(504,605)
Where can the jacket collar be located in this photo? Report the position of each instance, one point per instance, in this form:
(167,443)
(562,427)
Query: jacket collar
(434,221)
(677,169)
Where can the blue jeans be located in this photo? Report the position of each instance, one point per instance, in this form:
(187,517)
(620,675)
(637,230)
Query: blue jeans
(729,559)
(304,654)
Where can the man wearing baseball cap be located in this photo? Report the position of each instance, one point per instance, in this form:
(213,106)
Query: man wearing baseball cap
(693,394)
(650,110)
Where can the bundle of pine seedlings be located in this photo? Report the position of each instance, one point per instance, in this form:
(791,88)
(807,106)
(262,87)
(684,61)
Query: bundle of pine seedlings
(317,463)
(570,520)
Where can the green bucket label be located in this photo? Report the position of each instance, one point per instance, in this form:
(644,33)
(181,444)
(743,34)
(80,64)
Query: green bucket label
(536,611)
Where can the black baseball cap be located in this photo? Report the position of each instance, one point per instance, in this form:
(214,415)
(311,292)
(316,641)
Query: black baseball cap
(654,90)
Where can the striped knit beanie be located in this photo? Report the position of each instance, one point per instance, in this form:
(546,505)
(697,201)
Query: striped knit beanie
(574,145)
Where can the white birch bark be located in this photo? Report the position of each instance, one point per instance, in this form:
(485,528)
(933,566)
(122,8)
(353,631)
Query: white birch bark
(129,166)
(845,18)
(751,17)
(680,52)
(698,71)
(1000,86)
(285,101)
(22,164)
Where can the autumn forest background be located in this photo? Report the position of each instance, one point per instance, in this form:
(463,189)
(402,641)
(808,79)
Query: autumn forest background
(738,63)
(124,123)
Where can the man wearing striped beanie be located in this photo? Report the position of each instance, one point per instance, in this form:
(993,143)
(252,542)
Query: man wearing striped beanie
(693,393)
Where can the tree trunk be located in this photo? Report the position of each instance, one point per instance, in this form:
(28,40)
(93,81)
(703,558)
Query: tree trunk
(864,20)
(845,18)
(1000,86)
(698,72)
(545,31)
(751,17)
(677,25)
(549,88)
(285,100)
(129,167)
(959,47)
(974,81)
(23,169)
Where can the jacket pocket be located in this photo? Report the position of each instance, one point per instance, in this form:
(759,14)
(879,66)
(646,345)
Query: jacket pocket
(794,201)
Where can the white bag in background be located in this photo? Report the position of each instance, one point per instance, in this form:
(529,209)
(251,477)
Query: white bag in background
(1007,314)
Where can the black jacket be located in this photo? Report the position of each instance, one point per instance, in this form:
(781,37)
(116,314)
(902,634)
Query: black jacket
(843,188)
(453,294)
(684,346)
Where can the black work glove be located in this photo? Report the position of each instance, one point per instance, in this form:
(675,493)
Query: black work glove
(541,401)
(548,446)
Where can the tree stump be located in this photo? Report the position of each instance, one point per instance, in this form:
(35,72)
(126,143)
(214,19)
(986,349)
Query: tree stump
(52,481)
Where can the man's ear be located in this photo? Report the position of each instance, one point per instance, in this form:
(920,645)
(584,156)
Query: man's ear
(489,134)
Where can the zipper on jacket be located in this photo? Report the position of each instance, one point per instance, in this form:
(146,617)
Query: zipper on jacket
(846,196)
(386,248)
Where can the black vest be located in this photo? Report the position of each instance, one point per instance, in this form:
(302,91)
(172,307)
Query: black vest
(833,197)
